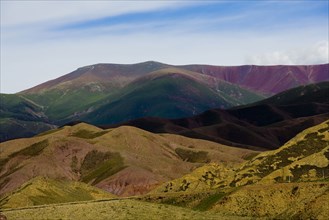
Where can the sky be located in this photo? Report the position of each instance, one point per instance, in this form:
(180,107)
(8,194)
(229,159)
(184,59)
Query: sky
(43,40)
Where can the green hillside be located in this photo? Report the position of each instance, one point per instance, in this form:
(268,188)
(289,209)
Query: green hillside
(169,93)
(20,117)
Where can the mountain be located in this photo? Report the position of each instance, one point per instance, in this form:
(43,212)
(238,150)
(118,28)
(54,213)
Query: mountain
(103,94)
(77,92)
(123,161)
(169,93)
(267,124)
(89,90)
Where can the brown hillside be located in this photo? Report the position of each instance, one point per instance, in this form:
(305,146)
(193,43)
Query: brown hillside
(123,161)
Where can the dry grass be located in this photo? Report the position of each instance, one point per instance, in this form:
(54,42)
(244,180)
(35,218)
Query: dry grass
(113,209)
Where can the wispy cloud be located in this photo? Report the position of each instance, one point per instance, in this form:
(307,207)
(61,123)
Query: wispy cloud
(16,13)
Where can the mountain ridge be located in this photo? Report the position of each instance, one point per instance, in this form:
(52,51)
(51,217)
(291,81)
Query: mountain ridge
(110,93)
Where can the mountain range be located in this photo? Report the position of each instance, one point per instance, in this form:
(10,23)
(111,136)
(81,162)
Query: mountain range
(104,94)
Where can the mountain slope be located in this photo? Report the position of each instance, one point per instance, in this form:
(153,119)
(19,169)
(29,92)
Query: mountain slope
(209,191)
(169,93)
(123,161)
(304,200)
(77,92)
(20,117)
(303,158)
(287,183)
(266,79)
(42,191)
(263,124)
(290,182)
(318,92)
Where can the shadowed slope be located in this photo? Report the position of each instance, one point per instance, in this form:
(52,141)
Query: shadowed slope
(20,117)
(262,125)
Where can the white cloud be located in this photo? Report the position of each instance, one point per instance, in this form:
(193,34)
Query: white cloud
(315,54)
(16,13)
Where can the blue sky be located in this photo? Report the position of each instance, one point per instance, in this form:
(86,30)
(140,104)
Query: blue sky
(42,40)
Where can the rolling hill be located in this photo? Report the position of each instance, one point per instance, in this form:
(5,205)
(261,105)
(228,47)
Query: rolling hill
(288,183)
(123,161)
(303,158)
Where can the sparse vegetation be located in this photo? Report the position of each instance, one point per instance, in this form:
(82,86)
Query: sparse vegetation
(112,209)
(99,165)
(210,188)
(42,191)
(74,164)
(32,150)
(192,156)
(208,202)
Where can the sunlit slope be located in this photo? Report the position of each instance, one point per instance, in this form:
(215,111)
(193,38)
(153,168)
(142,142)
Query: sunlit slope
(300,200)
(303,158)
(288,183)
(42,191)
(123,161)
